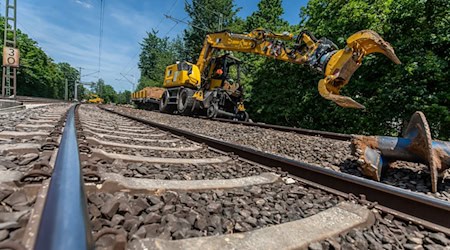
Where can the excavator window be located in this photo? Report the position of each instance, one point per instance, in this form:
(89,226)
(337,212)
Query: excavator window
(231,80)
(184,66)
(218,70)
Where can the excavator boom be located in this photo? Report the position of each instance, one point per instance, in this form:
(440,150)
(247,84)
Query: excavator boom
(337,65)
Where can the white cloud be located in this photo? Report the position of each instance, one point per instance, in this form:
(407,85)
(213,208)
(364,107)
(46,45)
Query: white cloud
(85,4)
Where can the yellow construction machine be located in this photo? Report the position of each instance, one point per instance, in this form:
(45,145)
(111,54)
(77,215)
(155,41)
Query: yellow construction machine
(213,84)
(93,98)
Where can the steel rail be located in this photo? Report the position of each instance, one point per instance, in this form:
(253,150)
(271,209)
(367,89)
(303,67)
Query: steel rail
(429,212)
(31,99)
(64,220)
(310,132)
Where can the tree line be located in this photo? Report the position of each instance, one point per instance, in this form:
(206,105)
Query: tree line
(286,94)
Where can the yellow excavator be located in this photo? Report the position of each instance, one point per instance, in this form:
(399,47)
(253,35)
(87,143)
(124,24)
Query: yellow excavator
(93,98)
(213,84)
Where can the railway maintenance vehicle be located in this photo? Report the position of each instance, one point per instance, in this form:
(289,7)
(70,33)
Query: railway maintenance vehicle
(93,98)
(213,86)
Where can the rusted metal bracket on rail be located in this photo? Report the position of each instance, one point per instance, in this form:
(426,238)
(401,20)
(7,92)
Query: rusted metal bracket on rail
(375,153)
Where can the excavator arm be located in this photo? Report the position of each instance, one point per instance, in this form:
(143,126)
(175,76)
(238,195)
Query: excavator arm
(337,65)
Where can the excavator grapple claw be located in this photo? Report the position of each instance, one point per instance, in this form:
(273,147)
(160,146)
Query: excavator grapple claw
(343,101)
(341,65)
(370,42)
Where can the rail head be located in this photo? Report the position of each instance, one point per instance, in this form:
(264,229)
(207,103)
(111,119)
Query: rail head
(302,131)
(64,221)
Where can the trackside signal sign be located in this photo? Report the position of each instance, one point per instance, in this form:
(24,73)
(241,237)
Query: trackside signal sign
(10,57)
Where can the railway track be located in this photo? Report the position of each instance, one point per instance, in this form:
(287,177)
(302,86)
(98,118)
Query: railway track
(151,186)
(310,132)
(10,105)
(324,149)
(32,99)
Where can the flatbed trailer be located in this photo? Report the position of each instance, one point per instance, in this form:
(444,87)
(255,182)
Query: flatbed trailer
(147,98)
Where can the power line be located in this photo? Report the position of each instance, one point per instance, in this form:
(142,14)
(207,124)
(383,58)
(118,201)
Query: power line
(221,15)
(100,40)
(23,28)
(168,12)
(90,74)
(170,29)
(157,26)
(195,13)
(204,8)
(186,22)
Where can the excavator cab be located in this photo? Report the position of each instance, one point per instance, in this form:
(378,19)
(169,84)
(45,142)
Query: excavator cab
(224,72)
(224,95)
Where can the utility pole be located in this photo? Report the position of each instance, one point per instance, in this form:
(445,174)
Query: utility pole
(66,90)
(10,51)
(75,95)
(220,21)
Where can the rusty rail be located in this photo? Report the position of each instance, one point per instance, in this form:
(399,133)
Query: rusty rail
(418,208)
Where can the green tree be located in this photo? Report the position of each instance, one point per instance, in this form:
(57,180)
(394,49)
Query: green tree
(178,49)
(109,94)
(124,97)
(38,75)
(207,16)
(105,91)
(83,93)
(418,30)
(156,54)
(268,16)
(71,74)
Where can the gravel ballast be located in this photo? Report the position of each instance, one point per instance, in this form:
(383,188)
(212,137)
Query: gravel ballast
(15,211)
(180,215)
(23,162)
(184,215)
(328,153)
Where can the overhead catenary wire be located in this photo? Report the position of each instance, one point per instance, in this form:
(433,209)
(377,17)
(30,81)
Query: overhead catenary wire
(129,66)
(90,74)
(168,13)
(198,17)
(170,29)
(186,22)
(100,39)
(221,15)
(204,8)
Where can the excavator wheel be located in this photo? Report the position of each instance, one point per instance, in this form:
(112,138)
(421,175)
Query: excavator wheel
(243,116)
(212,110)
(164,105)
(185,101)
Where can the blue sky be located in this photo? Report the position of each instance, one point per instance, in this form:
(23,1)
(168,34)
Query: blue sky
(68,31)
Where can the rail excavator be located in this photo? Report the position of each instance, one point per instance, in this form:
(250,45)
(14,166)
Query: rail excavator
(213,84)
